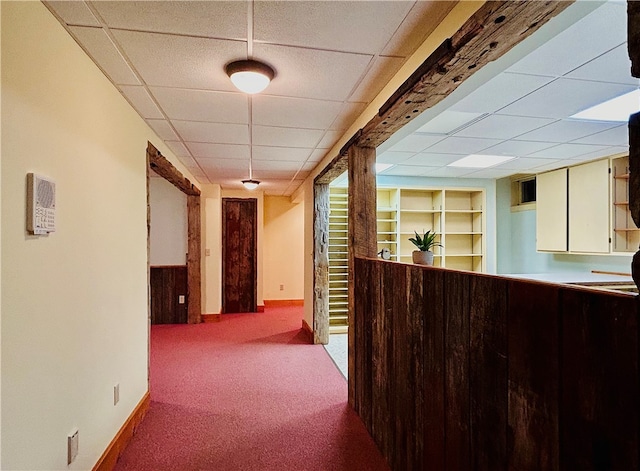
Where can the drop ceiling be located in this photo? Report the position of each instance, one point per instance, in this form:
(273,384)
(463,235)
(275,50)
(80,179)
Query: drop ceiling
(522,107)
(331,59)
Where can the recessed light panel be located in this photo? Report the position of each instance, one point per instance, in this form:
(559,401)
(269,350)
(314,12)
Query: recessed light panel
(480,161)
(616,109)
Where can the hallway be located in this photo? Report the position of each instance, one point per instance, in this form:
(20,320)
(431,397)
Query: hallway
(247,393)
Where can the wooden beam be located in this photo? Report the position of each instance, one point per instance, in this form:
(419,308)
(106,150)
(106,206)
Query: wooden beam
(194,252)
(321,264)
(164,168)
(362,230)
(339,165)
(633,35)
(633,46)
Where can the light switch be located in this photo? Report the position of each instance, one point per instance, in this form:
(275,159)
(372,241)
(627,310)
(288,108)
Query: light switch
(181,299)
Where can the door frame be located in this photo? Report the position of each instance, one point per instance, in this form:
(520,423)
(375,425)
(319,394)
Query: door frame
(255,250)
(160,165)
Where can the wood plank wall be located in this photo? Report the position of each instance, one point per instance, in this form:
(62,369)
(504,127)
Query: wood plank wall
(458,370)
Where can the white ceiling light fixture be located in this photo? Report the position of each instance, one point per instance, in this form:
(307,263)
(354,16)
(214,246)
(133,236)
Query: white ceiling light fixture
(250,76)
(480,161)
(250,183)
(616,109)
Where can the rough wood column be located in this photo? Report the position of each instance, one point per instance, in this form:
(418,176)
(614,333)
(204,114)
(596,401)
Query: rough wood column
(633,44)
(321,264)
(362,232)
(194,301)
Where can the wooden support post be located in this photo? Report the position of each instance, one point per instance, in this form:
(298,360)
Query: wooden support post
(321,264)
(362,234)
(194,301)
(633,45)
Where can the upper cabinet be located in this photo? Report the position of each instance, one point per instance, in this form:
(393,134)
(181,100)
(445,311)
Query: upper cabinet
(585,209)
(589,207)
(551,211)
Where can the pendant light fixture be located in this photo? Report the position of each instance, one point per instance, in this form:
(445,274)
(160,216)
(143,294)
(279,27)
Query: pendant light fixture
(250,183)
(250,76)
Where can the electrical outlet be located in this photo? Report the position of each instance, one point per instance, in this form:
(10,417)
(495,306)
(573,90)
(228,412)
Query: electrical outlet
(72,446)
(207,252)
(281,287)
(181,299)
(116,394)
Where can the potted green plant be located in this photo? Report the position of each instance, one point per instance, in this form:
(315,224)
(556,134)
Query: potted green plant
(424,255)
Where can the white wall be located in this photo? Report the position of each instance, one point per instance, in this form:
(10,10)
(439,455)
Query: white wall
(284,248)
(74,303)
(309,267)
(168,237)
(210,210)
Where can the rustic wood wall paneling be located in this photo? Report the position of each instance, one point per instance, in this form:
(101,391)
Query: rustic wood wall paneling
(362,232)
(534,376)
(488,378)
(599,403)
(431,362)
(456,363)
(363,276)
(194,252)
(321,264)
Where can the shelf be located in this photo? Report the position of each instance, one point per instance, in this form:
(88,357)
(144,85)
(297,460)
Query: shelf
(420,211)
(622,203)
(448,255)
(622,177)
(464,233)
(464,211)
(627,230)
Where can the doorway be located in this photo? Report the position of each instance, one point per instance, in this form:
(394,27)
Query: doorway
(239,255)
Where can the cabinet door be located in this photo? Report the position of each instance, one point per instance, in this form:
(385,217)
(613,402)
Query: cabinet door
(589,207)
(551,211)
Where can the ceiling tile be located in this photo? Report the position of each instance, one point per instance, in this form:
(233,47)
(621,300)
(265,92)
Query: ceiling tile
(517,148)
(163,129)
(572,48)
(286,137)
(491,173)
(336,26)
(617,136)
(602,152)
(406,170)
(74,13)
(348,114)
(202,150)
(448,172)
(275,174)
(178,61)
(416,142)
(294,112)
(189,162)
(448,121)
(502,127)
(613,66)
(419,23)
(179,149)
(219,173)
(317,155)
(199,105)
(218,133)
(330,139)
(566,130)
(141,101)
(194,18)
(224,164)
(280,153)
(261,165)
(382,69)
(499,92)
(565,151)
(307,73)
(105,54)
(391,157)
(564,97)
(433,160)
(523,163)
(462,145)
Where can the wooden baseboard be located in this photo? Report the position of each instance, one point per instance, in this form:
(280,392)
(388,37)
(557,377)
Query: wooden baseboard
(260,309)
(307,330)
(283,302)
(211,318)
(110,456)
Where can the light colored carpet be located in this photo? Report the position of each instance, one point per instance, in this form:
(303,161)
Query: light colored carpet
(337,348)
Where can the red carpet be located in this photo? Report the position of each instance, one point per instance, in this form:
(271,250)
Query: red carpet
(247,393)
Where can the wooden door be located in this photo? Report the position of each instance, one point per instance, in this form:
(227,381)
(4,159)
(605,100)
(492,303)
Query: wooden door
(169,295)
(239,255)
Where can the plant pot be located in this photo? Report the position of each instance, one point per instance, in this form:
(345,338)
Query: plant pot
(423,257)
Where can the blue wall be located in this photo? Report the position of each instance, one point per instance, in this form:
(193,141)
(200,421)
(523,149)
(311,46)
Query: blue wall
(516,244)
